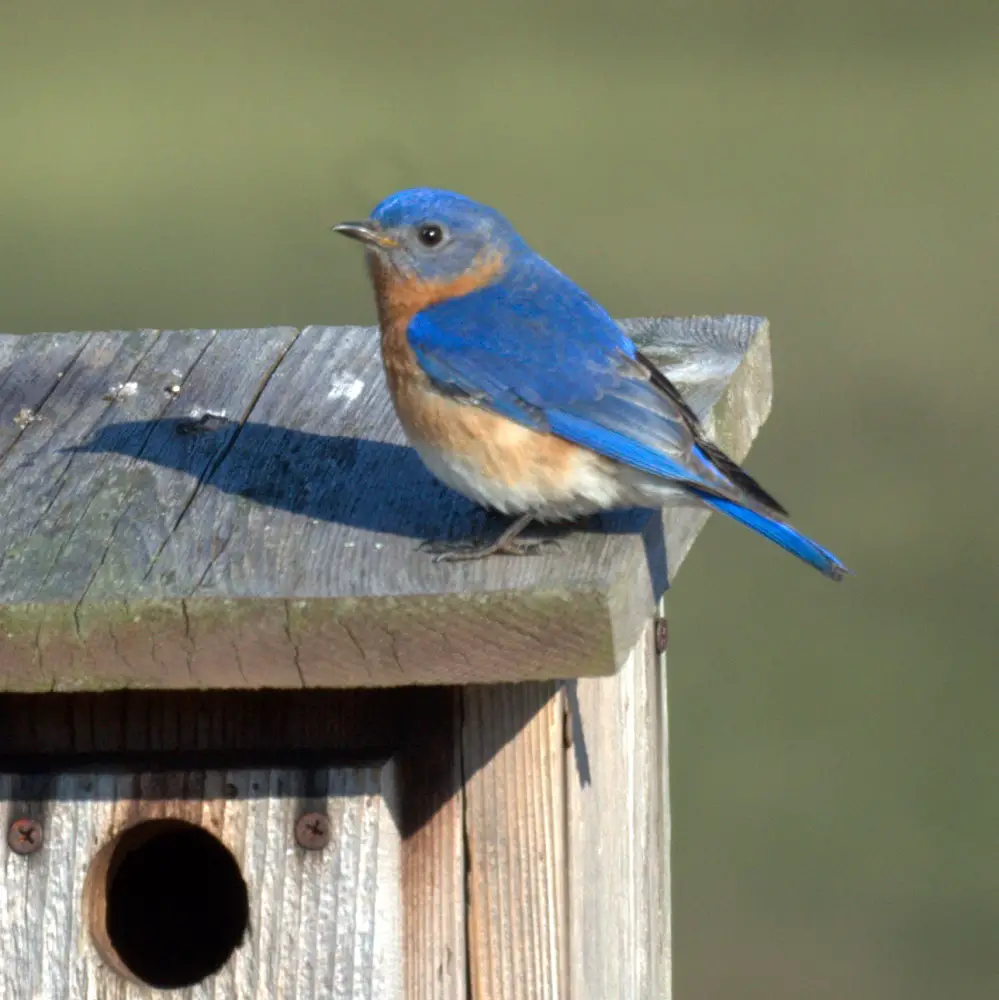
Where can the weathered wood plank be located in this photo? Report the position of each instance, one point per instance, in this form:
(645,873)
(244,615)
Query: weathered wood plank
(34,470)
(419,729)
(154,504)
(30,368)
(68,539)
(323,925)
(619,835)
(514,760)
(46,730)
(434,864)
(279,545)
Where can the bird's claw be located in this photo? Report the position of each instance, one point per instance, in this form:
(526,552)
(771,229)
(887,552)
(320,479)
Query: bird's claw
(469,549)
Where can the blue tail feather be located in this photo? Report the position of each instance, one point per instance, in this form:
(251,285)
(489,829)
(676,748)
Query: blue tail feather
(783,534)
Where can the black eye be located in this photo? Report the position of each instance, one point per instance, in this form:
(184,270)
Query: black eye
(430,234)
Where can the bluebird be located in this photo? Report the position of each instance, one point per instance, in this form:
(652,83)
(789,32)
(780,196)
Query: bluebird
(521,392)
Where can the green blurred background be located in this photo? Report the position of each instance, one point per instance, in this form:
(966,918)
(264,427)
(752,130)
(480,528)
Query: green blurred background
(833,166)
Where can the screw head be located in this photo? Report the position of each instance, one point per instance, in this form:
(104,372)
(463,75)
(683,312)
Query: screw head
(312,831)
(25,836)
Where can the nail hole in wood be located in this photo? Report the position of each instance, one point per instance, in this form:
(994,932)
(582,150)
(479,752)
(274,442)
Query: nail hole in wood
(166,904)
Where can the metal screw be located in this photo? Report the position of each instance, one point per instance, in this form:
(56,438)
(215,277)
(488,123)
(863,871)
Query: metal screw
(662,634)
(312,831)
(25,836)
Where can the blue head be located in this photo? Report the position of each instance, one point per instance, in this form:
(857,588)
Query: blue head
(435,235)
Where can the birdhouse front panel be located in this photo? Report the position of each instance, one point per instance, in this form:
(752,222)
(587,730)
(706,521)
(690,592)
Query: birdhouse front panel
(238,883)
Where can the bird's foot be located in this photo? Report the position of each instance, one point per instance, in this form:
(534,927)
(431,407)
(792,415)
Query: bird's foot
(508,543)
(468,549)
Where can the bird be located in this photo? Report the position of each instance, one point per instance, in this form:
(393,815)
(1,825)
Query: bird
(519,390)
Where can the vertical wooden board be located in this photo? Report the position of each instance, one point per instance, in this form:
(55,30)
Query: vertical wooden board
(387,956)
(433,879)
(16,966)
(513,761)
(619,835)
(323,925)
(104,811)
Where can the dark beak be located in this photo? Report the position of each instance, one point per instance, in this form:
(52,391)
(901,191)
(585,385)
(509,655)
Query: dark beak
(367,233)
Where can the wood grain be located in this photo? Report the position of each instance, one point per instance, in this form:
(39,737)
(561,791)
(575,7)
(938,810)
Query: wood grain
(618,855)
(434,850)
(418,729)
(27,378)
(49,731)
(277,545)
(324,925)
(513,756)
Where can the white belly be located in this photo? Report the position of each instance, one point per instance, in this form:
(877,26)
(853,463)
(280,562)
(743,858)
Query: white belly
(590,486)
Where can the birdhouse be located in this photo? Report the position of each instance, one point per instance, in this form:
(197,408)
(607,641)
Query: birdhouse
(254,743)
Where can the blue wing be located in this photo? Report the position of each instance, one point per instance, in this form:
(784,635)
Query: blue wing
(537,349)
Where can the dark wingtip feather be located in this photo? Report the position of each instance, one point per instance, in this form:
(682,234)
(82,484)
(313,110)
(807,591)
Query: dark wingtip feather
(730,469)
(738,476)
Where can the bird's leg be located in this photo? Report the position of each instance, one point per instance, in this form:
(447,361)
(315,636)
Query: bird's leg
(507,543)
